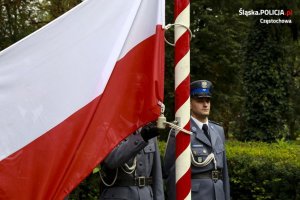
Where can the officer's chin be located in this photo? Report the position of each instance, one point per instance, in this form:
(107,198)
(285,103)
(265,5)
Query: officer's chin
(203,115)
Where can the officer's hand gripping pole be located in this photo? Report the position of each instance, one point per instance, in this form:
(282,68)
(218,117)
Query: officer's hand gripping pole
(161,122)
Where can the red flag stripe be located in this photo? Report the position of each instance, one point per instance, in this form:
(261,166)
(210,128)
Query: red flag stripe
(134,83)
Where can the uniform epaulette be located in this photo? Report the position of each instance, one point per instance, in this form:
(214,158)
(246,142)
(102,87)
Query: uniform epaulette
(216,123)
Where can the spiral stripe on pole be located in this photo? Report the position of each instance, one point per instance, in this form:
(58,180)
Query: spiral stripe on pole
(182,18)
(182,98)
(181,72)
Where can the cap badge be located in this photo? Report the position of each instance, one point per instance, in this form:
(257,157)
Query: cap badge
(204,84)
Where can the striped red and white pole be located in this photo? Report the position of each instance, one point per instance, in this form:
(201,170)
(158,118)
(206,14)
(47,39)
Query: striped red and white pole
(182,98)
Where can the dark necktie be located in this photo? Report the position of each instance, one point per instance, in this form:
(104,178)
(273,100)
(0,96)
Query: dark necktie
(205,130)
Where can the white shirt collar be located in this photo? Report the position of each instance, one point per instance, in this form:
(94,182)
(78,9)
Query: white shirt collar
(199,124)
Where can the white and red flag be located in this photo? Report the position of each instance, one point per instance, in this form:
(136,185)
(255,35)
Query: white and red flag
(71,91)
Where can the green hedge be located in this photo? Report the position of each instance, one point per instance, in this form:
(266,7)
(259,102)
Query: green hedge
(264,171)
(257,171)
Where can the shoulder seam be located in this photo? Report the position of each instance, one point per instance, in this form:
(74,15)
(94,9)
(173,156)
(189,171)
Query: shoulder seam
(213,122)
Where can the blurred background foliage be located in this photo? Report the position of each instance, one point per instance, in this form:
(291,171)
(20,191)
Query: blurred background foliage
(254,67)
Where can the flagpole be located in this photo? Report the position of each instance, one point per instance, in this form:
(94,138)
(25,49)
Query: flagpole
(182,98)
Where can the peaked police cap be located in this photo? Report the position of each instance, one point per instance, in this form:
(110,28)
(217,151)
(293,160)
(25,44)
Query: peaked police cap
(201,88)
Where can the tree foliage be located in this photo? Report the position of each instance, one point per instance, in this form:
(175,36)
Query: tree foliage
(266,84)
(16,19)
(22,17)
(216,54)
(267,79)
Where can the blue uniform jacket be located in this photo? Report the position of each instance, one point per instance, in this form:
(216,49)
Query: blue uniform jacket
(202,189)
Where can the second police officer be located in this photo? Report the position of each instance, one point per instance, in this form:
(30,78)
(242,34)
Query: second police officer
(210,179)
(133,169)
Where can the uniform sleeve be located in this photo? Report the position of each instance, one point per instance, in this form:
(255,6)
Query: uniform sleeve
(158,189)
(169,166)
(126,150)
(226,184)
(169,158)
(226,179)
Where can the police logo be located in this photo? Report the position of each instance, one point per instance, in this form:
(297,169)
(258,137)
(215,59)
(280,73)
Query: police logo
(204,84)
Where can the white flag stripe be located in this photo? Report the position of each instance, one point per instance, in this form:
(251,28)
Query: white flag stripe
(144,16)
(40,98)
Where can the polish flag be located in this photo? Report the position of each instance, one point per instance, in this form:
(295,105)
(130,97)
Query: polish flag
(71,91)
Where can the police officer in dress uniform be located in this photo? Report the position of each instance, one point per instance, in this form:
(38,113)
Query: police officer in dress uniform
(133,169)
(210,179)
